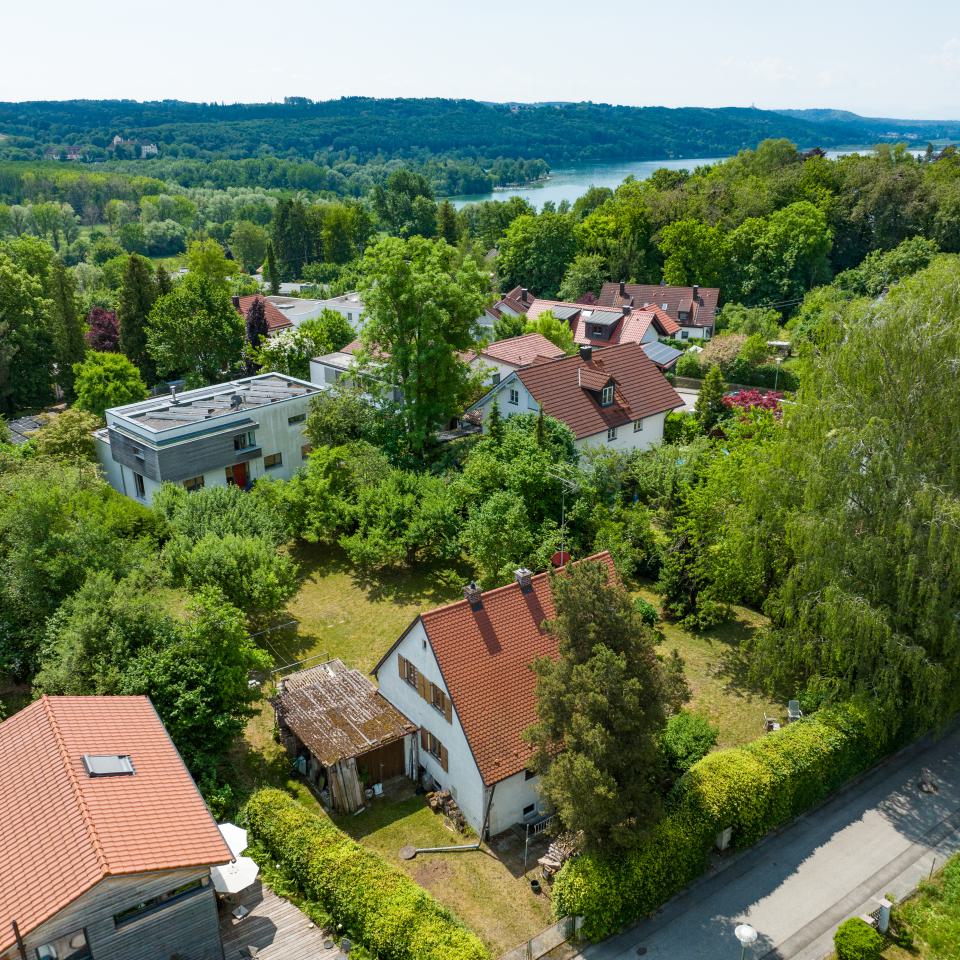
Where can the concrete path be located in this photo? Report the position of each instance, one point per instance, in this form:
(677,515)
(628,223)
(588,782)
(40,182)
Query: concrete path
(689,398)
(881,835)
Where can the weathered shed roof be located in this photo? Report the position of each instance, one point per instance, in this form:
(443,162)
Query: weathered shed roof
(337,713)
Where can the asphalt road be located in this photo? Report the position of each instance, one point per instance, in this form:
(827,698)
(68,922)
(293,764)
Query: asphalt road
(880,835)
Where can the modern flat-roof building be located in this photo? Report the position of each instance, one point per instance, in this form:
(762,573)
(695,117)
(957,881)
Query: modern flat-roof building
(228,433)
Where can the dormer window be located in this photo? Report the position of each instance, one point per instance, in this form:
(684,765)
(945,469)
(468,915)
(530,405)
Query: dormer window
(606,395)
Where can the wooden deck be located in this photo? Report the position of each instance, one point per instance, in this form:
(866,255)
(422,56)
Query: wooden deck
(274,927)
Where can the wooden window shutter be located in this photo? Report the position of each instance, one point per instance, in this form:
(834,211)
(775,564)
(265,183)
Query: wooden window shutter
(403,667)
(423,738)
(423,686)
(443,756)
(448,708)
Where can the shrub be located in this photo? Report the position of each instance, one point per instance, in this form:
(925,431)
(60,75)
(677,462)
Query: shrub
(648,614)
(752,789)
(688,365)
(687,739)
(380,906)
(680,427)
(857,940)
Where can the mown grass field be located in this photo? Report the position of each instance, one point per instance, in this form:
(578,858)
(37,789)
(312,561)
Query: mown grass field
(932,916)
(339,613)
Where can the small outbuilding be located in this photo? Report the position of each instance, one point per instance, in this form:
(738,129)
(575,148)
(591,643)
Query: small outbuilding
(346,737)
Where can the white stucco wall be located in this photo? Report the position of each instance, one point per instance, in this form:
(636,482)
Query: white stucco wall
(461,778)
(490,367)
(501,397)
(693,333)
(511,797)
(627,440)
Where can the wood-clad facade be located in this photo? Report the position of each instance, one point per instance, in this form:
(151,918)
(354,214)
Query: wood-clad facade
(183,926)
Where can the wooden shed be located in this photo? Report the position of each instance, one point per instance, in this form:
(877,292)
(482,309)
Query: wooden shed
(345,735)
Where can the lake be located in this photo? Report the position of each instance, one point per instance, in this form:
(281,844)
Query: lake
(568,183)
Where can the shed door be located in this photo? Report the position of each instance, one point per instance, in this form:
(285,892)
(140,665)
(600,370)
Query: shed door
(388,759)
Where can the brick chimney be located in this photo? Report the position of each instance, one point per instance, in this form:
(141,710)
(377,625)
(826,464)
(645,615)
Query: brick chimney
(623,289)
(626,308)
(524,578)
(586,353)
(524,294)
(696,293)
(471,593)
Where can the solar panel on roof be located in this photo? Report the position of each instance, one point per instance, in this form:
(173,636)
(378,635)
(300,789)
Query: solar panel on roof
(660,353)
(564,313)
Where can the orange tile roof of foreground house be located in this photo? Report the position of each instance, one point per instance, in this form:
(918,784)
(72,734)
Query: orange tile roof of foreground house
(485,657)
(63,831)
(276,319)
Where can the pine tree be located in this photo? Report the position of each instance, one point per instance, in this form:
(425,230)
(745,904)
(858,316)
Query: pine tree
(709,407)
(495,424)
(447,228)
(138,294)
(66,324)
(164,284)
(273,278)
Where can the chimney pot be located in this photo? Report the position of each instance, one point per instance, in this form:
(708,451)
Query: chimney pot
(626,309)
(623,289)
(696,292)
(524,294)
(236,302)
(472,594)
(524,578)
(586,353)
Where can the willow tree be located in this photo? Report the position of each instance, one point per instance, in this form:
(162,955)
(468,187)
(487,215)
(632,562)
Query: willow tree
(864,485)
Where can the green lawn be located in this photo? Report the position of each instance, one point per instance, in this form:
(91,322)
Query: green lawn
(932,917)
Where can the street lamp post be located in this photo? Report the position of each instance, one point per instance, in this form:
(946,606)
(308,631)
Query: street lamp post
(776,376)
(747,937)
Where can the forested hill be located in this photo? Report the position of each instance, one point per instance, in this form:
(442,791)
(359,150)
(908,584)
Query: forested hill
(365,128)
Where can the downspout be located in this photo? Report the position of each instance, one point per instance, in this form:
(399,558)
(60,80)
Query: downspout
(408,853)
(20,946)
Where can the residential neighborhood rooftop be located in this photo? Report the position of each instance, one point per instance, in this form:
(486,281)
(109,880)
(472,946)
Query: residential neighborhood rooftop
(276,319)
(207,403)
(337,713)
(567,389)
(523,350)
(485,654)
(699,302)
(66,824)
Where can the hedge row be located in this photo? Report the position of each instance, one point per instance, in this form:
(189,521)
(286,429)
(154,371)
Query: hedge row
(742,372)
(380,906)
(752,789)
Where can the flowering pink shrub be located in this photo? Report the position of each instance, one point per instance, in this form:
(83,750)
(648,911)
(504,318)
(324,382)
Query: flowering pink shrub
(749,399)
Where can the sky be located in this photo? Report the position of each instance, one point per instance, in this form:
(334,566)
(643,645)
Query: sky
(882,58)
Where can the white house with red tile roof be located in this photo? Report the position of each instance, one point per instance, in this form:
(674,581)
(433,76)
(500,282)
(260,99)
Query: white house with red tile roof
(106,842)
(500,358)
(463,674)
(693,308)
(615,397)
(276,321)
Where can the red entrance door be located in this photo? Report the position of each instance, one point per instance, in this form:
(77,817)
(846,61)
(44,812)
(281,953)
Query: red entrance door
(238,475)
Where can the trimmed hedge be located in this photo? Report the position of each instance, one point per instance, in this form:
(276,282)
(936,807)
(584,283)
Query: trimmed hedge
(856,940)
(381,907)
(752,789)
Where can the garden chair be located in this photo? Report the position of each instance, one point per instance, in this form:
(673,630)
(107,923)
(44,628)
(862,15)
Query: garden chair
(793,711)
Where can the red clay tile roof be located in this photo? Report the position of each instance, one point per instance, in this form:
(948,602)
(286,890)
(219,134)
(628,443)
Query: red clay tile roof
(485,657)
(276,319)
(641,389)
(657,294)
(513,300)
(523,350)
(63,831)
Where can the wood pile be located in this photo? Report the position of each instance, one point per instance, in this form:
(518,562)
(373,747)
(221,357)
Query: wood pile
(440,801)
(564,847)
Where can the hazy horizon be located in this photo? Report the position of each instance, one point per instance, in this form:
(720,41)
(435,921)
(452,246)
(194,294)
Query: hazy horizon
(876,61)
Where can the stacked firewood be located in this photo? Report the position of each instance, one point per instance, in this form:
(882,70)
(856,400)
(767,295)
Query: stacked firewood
(565,846)
(440,801)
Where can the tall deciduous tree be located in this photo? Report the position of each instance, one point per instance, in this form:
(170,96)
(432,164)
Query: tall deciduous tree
(138,294)
(26,345)
(103,330)
(602,706)
(249,244)
(206,257)
(195,329)
(421,310)
(535,251)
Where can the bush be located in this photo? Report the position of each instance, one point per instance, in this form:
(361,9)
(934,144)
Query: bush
(647,612)
(688,738)
(680,427)
(380,906)
(688,365)
(857,940)
(752,789)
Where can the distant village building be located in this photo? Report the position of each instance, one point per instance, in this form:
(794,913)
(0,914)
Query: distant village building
(226,434)
(143,149)
(106,842)
(614,397)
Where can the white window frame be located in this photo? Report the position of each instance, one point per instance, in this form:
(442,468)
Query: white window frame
(606,396)
(514,397)
(611,434)
(638,425)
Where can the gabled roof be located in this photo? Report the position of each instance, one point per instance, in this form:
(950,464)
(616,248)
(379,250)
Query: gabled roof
(523,350)
(63,831)
(276,319)
(337,713)
(641,390)
(485,657)
(667,298)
